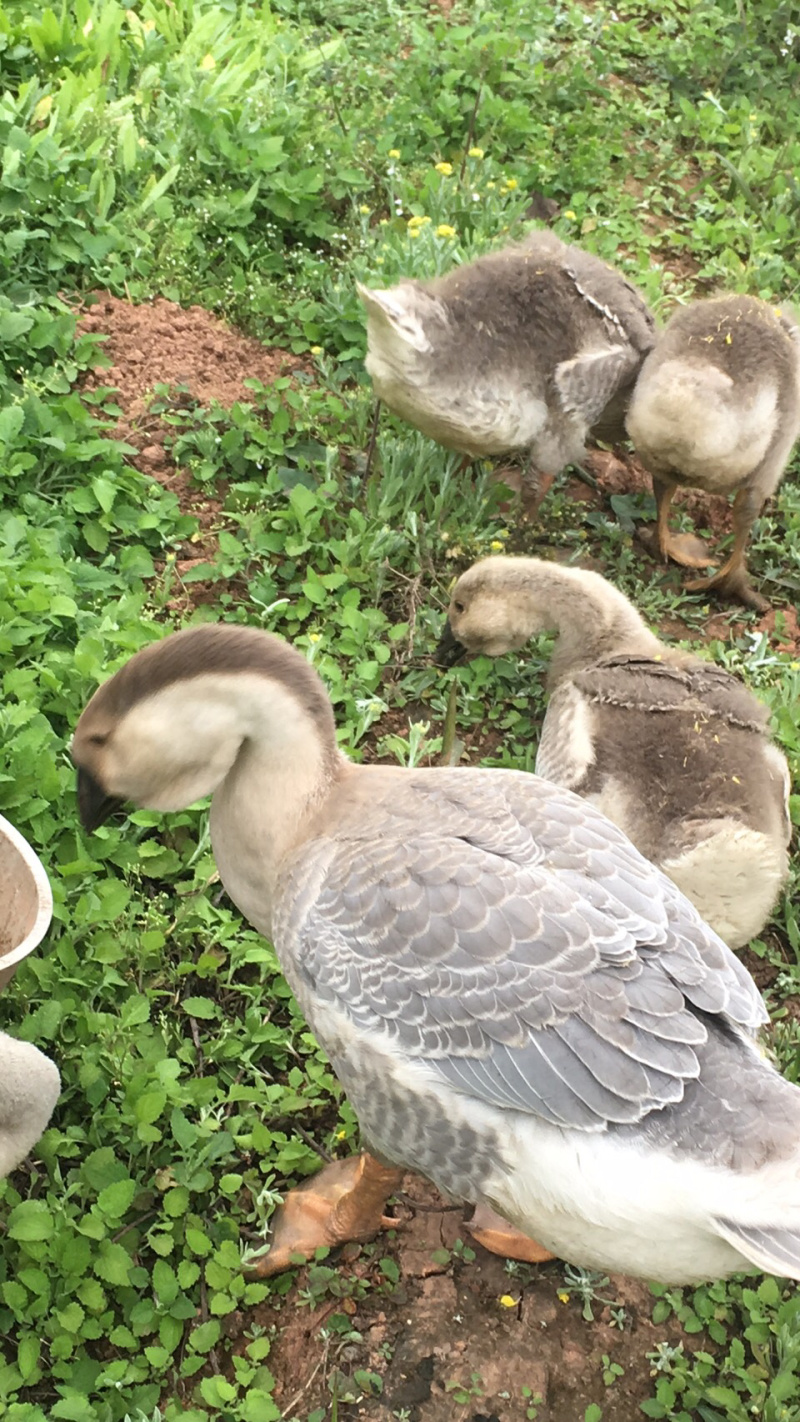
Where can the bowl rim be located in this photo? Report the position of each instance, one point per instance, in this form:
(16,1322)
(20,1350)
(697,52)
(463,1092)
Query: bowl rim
(43,891)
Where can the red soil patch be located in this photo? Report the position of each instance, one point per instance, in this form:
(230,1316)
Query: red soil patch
(782,628)
(161,343)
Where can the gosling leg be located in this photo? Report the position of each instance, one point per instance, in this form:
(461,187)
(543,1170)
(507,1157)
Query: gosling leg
(535,488)
(732,579)
(683,548)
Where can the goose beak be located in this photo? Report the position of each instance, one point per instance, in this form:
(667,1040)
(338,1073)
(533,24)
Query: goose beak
(449,650)
(94,805)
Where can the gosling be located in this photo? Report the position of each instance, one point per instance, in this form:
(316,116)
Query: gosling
(676,751)
(717,407)
(529,348)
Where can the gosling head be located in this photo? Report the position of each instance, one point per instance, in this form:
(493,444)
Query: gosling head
(487,613)
(167,728)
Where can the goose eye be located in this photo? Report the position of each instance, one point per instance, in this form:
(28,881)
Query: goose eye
(98,740)
(459,606)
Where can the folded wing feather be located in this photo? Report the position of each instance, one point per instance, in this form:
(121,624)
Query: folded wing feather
(505,933)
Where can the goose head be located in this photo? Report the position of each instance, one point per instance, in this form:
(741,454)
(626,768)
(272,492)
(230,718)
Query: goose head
(486,615)
(498,604)
(171,725)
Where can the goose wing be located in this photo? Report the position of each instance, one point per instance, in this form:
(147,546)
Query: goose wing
(506,934)
(587,383)
(612,297)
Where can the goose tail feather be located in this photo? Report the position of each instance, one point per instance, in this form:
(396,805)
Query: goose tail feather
(775,1250)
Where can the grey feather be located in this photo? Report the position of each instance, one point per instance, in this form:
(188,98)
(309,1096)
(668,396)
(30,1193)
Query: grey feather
(775,1250)
(588,382)
(698,688)
(552,969)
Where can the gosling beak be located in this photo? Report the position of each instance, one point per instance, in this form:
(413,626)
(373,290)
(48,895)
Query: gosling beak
(449,651)
(94,805)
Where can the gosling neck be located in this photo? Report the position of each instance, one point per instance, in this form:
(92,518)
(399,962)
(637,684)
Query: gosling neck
(591,618)
(286,768)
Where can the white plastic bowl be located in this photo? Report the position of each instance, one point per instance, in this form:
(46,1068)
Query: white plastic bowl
(26,901)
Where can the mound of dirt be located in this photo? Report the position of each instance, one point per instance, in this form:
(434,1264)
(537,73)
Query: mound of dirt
(625,474)
(162,343)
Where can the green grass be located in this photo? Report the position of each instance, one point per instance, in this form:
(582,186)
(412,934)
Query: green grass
(256,160)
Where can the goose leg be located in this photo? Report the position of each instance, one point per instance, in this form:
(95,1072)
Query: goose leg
(683,548)
(535,487)
(500,1237)
(732,579)
(345,1201)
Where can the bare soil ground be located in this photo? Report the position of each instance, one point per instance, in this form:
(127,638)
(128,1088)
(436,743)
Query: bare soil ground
(463,1341)
(203,361)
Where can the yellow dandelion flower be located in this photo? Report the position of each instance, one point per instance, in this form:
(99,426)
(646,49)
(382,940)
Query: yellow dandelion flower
(379,261)
(208,62)
(445,230)
(777,311)
(444,168)
(753,118)
(384,222)
(340,1135)
(496,546)
(794,666)
(511,184)
(570,214)
(364,210)
(43,108)
(475,153)
(506,1301)
(490,186)
(316,350)
(419,221)
(563,1296)
(315,637)
(414,231)
(394,152)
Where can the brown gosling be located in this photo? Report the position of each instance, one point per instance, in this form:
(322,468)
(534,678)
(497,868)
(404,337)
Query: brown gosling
(717,407)
(676,751)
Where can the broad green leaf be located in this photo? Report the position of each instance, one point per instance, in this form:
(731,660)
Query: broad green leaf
(115,1199)
(12,418)
(29,1221)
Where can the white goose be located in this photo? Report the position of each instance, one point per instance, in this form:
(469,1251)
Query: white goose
(519,1005)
